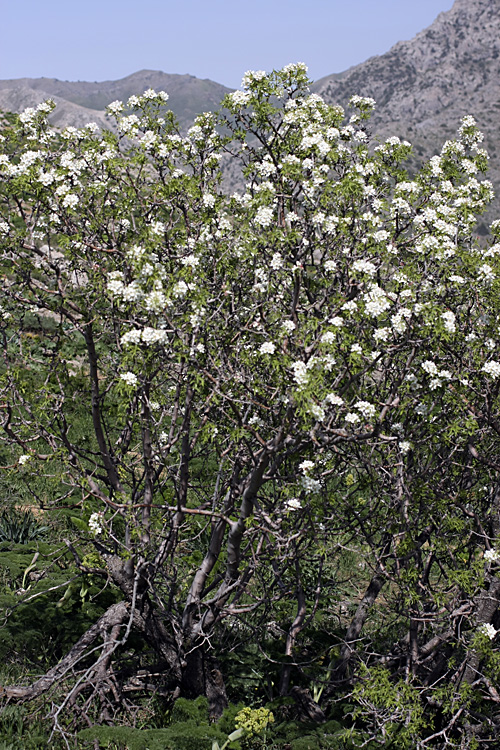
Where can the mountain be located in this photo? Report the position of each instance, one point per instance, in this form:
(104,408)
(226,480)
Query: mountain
(444,71)
(423,87)
(80,102)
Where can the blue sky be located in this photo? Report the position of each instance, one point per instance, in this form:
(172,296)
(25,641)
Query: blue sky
(100,40)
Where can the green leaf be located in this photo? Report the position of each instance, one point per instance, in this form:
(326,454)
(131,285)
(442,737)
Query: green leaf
(236,734)
(81,525)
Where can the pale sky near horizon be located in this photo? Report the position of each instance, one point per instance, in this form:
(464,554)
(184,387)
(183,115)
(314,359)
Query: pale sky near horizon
(100,40)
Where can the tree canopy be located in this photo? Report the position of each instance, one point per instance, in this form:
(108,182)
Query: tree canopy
(275,411)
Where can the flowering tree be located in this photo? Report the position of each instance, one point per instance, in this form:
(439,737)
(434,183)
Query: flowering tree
(271,379)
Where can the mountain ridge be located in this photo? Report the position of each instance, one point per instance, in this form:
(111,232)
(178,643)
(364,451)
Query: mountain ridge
(189,96)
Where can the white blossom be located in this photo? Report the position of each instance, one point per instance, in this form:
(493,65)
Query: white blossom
(115,282)
(70,201)
(381,236)
(333,400)
(266,168)
(190,260)
(131,337)
(364,266)
(367,410)
(328,337)
(95,523)
(208,200)
(381,334)
(179,289)
(317,412)
(491,555)
(398,322)
(129,378)
(492,368)
(155,301)
(267,348)
(486,273)
(376,301)
(277,262)
(151,336)
(239,98)
(435,166)
(352,417)
(264,216)
(115,107)
(300,373)
(132,292)
(158,228)
(309,484)
(448,319)
(250,76)
(362,101)
(293,68)
(430,367)
(128,124)
(350,306)
(488,630)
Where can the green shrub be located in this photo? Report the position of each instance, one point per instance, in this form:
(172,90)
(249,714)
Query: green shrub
(183,736)
(309,742)
(190,710)
(20,527)
(19,730)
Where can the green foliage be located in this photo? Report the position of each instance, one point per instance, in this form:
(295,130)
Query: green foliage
(308,742)
(187,735)
(20,527)
(20,730)
(190,710)
(46,613)
(392,707)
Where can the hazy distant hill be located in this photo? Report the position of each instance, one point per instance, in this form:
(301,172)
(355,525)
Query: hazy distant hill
(79,102)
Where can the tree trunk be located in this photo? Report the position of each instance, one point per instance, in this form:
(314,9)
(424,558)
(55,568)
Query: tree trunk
(488,602)
(116,615)
(354,630)
(201,676)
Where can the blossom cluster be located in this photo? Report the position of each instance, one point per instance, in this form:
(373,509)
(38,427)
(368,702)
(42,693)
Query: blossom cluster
(488,630)
(356,259)
(491,555)
(95,523)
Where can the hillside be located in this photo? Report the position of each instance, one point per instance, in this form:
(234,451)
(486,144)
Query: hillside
(79,102)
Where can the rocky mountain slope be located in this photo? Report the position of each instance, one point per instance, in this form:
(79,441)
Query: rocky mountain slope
(423,87)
